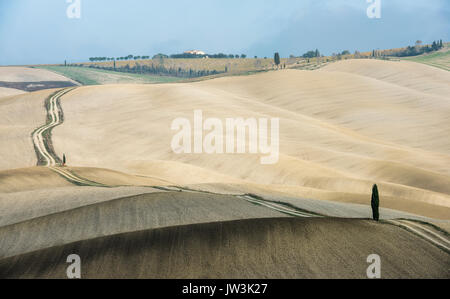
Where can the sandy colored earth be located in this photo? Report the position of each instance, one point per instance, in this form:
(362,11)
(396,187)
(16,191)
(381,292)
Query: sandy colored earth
(271,248)
(27,179)
(20,116)
(26,74)
(415,76)
(33,79)
(121,215)
(342,129)
(4,92)
(21,206)
(92,76)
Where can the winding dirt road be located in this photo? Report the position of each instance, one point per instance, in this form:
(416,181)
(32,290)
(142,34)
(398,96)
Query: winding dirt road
(42,141)
(40,136)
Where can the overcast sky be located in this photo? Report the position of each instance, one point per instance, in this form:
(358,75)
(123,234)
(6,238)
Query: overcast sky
(39,31)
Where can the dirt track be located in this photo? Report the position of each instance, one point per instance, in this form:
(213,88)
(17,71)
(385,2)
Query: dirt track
(46,155)
(43,142)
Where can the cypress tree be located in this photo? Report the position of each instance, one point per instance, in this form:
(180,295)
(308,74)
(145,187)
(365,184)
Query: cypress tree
(434,46)
(375,203)
(277,59)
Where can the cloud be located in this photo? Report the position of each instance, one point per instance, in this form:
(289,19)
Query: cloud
(39,31)
(333,26)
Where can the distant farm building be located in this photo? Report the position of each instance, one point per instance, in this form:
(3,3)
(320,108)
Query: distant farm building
(195,52)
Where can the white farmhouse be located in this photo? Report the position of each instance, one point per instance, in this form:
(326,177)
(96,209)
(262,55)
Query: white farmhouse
(195,52)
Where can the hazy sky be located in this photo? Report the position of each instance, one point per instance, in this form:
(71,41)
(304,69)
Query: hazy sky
(39,31)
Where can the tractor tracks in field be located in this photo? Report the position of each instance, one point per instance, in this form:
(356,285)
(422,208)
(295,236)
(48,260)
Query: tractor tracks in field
(425,231)
(42,141)
(41,137)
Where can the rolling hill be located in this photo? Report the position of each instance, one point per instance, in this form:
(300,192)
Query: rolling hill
(151,213)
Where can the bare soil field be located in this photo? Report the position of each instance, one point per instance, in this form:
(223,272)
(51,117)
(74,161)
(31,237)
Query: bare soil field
(5,92)
(342,130)
(90,76)
(34,86)
(20,116)
(258,248)
(16,80)
(28,74)
(151,213)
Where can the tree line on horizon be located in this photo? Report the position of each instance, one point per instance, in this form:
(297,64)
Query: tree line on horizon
(129,57)
(217,56)
(418,49)
(173,56)
(159,70)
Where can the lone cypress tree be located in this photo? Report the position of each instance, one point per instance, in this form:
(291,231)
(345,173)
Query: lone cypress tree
(277,59)
(64,159)
(375,203)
